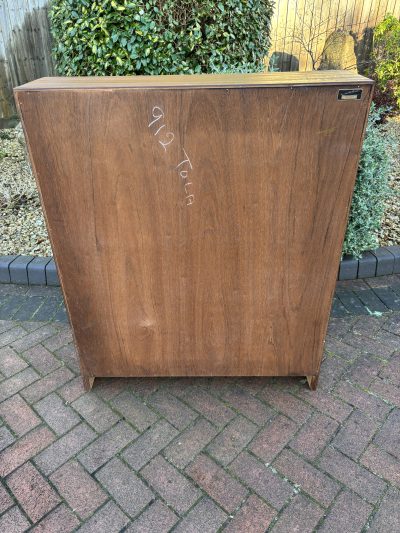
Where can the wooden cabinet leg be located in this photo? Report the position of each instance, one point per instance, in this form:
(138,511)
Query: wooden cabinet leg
(87,382)
(312,381)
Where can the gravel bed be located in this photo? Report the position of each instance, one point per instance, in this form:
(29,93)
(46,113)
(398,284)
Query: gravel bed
(22,226)
(390,231)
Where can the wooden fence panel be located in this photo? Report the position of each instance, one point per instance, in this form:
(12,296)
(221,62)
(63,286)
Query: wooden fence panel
(312,21)
(25,47)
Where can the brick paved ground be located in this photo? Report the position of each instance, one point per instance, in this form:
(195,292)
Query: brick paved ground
(240,455)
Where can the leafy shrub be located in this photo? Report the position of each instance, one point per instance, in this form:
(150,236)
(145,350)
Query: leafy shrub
(371,189)
(122,37)
(386,60)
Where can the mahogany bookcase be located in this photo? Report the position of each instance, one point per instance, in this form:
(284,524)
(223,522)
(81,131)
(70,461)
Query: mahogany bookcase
(197,221)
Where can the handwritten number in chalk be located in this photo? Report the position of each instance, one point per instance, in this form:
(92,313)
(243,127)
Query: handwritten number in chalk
(157,114)
(159,129)
(165,144)
(165,139)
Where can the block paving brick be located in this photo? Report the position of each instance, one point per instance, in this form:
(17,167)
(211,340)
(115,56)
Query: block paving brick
(33,492)
(6,438)
(311,480)
(68,355)
(125,486)
(327,403)
(61,520)
(109,518)
(231,441)
(178,491)
(13,521)
(171,408)
(41,359)
(72,390)
(205,517)
(96,412)
(190,443)
(157,517)
(237,454)
(60,339)
(25,448)
(382,463)
(301,514)
(10,362)
(262,480)
(44,386)
(217,483)
(5,500)
(209,406)
(64,448)
(134,410)
(315,434)
(149,444)
(391,370)
(78,488)
(11,334)
(363,400)
(17,382)
(6,324)
(273,438)
(33,338)
(355,434)
(387,517)
(106,446)
(385,390)
(332,369)
(388,436)
(286,403)
(248,405)
(348,513)
(254,516)
(364,370)
(353,475)
(58,416)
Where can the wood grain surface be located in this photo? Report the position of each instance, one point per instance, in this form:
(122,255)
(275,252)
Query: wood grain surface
(176,81)
(196,231)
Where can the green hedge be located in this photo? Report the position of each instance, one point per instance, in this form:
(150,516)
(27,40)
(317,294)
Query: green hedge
(121,37)
(371,189)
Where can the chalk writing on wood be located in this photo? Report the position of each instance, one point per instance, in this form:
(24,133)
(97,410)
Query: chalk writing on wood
(165,138)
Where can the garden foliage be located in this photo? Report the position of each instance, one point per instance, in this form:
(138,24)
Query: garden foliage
(386,58)
(371,189)
(122,37)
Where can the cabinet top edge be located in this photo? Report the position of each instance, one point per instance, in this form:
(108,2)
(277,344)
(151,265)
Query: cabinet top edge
(193,81)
